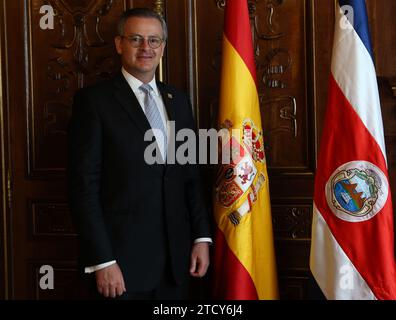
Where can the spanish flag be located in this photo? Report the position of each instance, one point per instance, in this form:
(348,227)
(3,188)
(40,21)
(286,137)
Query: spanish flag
(244,259)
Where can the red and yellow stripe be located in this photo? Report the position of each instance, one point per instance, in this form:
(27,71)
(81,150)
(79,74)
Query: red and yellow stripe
(244,262)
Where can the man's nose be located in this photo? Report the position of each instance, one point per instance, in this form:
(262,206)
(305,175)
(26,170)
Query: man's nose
(145,44)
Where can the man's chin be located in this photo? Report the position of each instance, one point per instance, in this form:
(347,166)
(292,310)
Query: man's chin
(142,71)
(146,67)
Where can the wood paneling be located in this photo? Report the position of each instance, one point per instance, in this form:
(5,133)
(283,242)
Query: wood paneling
(177,47)
(67,281)
(207,36)
(382,21)
(293,287)
(51,219)
(77,52)
(5,252)
(292,222)
(383,25)
(41,69)
(44,69)
(281,43)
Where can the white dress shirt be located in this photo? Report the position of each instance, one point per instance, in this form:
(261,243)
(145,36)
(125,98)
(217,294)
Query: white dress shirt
(140,95)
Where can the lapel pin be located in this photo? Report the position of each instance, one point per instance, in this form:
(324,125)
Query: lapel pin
(170,96)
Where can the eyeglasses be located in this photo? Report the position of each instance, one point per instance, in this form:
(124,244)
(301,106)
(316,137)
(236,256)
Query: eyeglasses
(136,41)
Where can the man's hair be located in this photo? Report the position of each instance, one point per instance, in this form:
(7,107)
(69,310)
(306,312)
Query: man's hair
(141,13)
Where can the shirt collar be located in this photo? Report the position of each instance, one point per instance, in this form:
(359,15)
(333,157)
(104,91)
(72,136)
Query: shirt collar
(135,83)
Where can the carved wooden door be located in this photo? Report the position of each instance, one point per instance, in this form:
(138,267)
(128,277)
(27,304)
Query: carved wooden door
(44,68)
(43,64)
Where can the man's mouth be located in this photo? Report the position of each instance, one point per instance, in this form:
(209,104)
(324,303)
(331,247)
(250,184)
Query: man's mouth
(144,57)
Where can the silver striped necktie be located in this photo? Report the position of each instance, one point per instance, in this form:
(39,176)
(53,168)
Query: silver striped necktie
(154,117)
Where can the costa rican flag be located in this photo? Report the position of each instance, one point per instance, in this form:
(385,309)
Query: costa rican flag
(352,250)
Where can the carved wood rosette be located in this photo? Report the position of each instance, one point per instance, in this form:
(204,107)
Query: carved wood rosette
(83,24)
(292,222)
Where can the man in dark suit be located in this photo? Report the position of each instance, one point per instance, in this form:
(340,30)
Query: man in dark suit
(142,228)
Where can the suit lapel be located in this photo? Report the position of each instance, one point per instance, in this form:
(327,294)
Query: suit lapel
(167,98)
(130,104)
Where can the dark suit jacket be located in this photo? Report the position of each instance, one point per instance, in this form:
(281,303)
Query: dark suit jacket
(124,209)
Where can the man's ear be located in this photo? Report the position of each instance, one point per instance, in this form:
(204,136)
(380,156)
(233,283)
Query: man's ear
(118,45)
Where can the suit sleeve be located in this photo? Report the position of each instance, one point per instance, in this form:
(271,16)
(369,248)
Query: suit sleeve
(196,201)
(84,181)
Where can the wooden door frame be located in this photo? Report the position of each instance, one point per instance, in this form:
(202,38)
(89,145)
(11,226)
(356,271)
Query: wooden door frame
(5,178)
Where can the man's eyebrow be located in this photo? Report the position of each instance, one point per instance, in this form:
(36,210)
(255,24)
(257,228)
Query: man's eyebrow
(140,35)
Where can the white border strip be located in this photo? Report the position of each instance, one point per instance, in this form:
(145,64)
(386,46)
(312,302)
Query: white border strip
(333,271)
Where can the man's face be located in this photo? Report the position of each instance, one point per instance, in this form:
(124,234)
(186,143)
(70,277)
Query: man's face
(142,61)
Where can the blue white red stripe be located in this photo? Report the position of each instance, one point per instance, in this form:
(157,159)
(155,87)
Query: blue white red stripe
(353,69)
(359,21)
